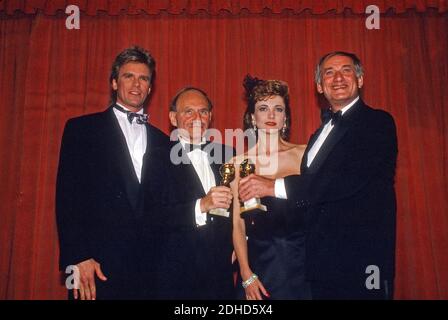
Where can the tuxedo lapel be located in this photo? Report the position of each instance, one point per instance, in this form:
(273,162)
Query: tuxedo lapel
(313,138)
(333,138)
(216,166)
(150,148)
(187,170)
(122,159)
(157,147)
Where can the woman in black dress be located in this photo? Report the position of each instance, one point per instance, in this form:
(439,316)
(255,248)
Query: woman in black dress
(269,245)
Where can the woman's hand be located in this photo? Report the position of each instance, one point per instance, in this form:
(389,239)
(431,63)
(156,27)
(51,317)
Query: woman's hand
(255,291)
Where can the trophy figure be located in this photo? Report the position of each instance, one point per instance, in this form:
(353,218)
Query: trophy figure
(254,204)
(227,172)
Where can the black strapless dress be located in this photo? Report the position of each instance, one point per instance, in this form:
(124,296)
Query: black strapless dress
(276,250)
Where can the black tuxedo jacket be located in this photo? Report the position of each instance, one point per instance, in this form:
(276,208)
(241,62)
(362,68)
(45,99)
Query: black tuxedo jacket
(349,198)
(98,199)
(193,262)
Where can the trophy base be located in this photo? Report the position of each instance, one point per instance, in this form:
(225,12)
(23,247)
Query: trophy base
(220,212)
(258,207)
(251,205)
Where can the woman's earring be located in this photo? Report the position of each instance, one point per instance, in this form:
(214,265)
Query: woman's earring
(284,129)
(254,125)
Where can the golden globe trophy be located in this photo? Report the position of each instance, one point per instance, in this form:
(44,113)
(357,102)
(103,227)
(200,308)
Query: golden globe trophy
(254,204)
(227,172)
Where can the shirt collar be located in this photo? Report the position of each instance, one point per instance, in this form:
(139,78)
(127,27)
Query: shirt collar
(139,111)
(343,110)
(184,141)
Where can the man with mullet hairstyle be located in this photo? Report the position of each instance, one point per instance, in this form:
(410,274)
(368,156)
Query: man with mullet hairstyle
(98,196)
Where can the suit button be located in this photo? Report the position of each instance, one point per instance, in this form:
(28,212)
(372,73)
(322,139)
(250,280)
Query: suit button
(301,203)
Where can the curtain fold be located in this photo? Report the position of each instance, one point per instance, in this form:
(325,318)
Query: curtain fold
(50,74)
(215,7)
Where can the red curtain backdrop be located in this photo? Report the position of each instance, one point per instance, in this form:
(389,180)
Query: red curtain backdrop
(49,74)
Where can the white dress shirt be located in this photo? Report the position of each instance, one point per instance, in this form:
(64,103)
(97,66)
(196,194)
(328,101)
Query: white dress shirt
(136,138)
(199,160)
(279,188)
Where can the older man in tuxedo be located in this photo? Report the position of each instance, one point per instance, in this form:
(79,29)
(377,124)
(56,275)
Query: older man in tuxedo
(98,196)
(346,189)
(193,245)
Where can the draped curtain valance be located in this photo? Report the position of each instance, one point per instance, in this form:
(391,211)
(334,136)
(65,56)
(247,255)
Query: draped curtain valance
(216,7)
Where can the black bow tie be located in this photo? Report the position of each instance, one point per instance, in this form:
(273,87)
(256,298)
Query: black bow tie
(140,118)
(328,115)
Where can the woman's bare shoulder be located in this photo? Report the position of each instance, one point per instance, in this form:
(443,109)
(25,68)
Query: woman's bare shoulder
(300,148)
(296,148)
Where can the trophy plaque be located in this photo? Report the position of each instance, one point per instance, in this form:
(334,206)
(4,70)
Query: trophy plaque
(227,172)
(254,205)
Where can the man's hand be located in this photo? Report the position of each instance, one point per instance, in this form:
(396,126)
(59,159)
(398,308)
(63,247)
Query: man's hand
(254,186)
(217,197)
(87,270)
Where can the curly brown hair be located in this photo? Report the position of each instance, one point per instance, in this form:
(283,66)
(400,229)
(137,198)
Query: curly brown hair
(258,90)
